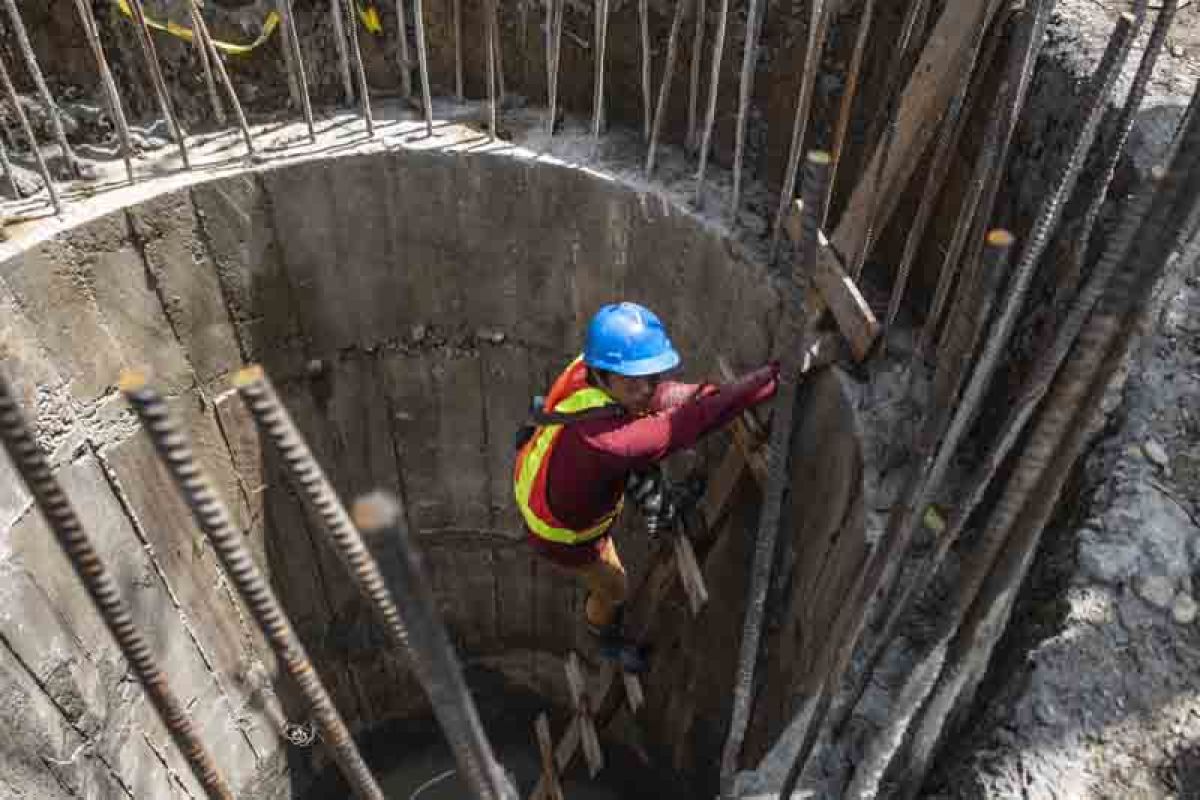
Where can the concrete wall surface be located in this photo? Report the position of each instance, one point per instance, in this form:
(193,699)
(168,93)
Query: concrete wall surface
(407,304)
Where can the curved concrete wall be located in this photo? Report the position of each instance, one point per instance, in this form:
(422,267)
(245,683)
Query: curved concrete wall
(407,305)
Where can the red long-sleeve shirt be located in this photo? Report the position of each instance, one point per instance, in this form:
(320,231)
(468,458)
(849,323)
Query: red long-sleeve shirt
(592,459)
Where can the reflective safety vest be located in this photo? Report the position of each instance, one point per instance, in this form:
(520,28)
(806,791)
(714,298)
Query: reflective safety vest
(570,393)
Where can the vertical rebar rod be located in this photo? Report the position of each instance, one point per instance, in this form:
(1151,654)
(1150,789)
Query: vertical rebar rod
(459,722)
(364,94)
(458,53)
(953,126)
(150,54)
(993,154)
(1124,126)
(771,511)
(112,97)
(423,63)
(405,61)
(206,42)
(289,62)
(39,80)
(102,587)
(746,88)
(693,121)
(210,82)
(556,27)
(293,45)
(710,115)
(27,129)
(647,102)
(849,93)
(174,449)
(492,46)
(339,40)
(818,24)
(601,39)
(664,88)
(888,136)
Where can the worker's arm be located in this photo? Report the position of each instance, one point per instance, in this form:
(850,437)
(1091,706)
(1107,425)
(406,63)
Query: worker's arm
(669,394)
(626,445)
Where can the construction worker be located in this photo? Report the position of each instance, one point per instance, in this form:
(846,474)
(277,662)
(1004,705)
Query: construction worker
(597,437)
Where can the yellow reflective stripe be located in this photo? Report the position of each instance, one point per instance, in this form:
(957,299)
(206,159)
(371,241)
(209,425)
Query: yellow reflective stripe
(539,448)
(269,24)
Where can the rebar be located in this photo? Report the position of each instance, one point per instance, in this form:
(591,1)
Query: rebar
(710,115)
(9,174)
(746,88)
(339,40)
(206,43)
(210,83)
(771,511)
(379,514)
(289,62)
(364,94)
(493,46)
(647,103)
(405,61)
(888,137)
(1124,126)
(601,37)
(458,53)
(293,45)
(849,93)
(27,129)
(39,80)
(664,88)
(150,55)
(818,25)
(552,54)
(694,82)
(460,724)
(101,586)
(993,153)
(953,125)
(111,96)
(174,449)
(423,64)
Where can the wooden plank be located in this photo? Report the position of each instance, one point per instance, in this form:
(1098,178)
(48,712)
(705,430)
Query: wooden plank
(850,309)
(583,712)
(721,484)
(689,573)
(634,694)
(541,729)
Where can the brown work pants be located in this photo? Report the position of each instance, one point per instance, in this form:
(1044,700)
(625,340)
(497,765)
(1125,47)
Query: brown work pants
(606,583)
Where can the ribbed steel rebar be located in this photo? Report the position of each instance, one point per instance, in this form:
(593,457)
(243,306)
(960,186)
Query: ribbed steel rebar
(887,138)
(491,48)
(754,14)
(39,80)
(989,169)
(9,175)
(112,98)
(364,94)
(458,53)
(1124,126)
(68,531)
(206,43)
(710,115)
(301,76)
(27,129)
(601,48)
(771,511)
(664,88)
(694,80)
(379,514)
(953,125)
(849,92)
(174,449)
(460,723)
(339,41)
(818,26)
(210,82)
(423,64)
(405,60)
(552,55)
(150,55)
(647,101)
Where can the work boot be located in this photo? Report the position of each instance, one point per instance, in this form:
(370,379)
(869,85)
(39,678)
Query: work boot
(613,645)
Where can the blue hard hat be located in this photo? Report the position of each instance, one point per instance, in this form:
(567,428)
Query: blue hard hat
(628,339)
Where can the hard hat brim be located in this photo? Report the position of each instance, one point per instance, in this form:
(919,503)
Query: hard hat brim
(662,362)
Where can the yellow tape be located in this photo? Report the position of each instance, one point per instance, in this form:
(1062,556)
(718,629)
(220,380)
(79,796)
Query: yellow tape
(269,25)
(370,18)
